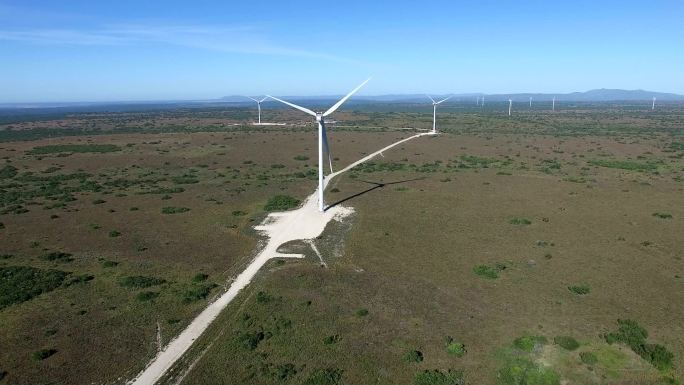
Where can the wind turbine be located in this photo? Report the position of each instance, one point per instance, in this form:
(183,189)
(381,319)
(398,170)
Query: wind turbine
(482,100)
(258,102)
(477,101)
(510,106)
(653,107)
(434,111)
(322,137)
(530,102)
(553,104)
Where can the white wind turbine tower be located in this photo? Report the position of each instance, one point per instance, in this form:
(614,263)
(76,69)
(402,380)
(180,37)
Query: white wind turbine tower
(322,138)
(530,102)
(477,101)
(510,106)
(482,100)
(654,100)
(434,111)
(258,102)
(553,104)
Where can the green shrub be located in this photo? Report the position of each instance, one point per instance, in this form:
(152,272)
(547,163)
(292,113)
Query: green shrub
(580,289)
(328,376)
(663,215)
(624,164)
(22,283)
(528,343)
(140,282)
(301,157)
(566,342)
(456,349)
(413,356)
(525,372)
(281,203)
(99,201)
(114,234)
(489,272)
(251,340)
(263,297)
(174,210)
(333,339)
(57,256)
(362,312)
(520,221)
(145,296)
(109,264)
(43,354)
(80,279)
(8,171)
(200,277)
(6,256)
(588,358)
(438,377)
(239,213)
(633,335)
(198,292)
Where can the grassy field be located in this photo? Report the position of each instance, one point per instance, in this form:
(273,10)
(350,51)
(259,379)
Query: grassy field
(502,252)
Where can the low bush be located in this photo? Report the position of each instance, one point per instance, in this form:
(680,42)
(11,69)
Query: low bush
(200,277)
(140,282)
(362,312)
(588,358)
(301,157)
(174,210)
(525,372)
(439,377)
(281,203)
(109,264)
(57,256)
(333,339)
(198,292)
(22,283)
(145,296)
(413,356)
(251,340)
(114,234)
(263,297)
(327,376)
(239,213)
(633,335)
(566,342)
(489,272)
(529,343)
(663,215)
(43,354)
(520,221)
(580,289)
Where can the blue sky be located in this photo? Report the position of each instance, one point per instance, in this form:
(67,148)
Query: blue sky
(152,50)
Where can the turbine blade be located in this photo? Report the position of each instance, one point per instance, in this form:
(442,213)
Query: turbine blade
(263,100)
(252,98)
(344,99)
(308,111)
(433,100)
(326,147)
(445,99)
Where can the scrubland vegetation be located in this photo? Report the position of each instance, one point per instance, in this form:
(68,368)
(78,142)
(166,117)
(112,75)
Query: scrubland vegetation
(501,252)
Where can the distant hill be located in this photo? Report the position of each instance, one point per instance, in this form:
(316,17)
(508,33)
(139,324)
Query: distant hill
(598,95)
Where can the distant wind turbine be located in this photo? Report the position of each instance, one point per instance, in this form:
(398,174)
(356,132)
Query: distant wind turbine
(482,100)
(322,137)
(258,102)
(434,111)
(477,101)
(553,104)
(654,100)
(510,106)
(530,102)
